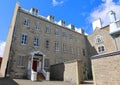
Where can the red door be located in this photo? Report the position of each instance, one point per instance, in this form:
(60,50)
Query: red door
(34,65)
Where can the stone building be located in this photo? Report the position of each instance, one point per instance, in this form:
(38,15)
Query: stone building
(35,42)
(105,39)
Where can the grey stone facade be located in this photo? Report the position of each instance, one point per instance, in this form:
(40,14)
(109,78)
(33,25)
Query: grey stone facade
(59,43)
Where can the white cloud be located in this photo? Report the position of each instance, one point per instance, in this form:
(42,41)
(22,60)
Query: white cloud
(55,2)
(2,46)
(102,11)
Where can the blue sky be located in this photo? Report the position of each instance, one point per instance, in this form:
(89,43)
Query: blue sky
(78,12)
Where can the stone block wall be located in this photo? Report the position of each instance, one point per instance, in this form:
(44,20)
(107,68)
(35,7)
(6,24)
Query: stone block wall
(57,72)
(71,71)
(106,69)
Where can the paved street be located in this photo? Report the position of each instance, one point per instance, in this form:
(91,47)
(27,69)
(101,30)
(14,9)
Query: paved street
(29,82)
(4,81)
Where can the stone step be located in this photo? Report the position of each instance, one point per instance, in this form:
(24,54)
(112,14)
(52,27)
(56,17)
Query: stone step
(40,77)
(87,82)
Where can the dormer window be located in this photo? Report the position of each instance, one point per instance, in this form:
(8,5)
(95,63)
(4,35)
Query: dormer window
(26,22)
(99,39)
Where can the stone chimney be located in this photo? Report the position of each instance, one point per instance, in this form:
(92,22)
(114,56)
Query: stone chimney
(112,16)
(34,11)
(50,18)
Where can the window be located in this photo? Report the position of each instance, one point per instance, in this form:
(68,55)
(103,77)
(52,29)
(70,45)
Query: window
(70,36)
(56,31)
(24,39)
(56,46)
(46,62)
(47,44)
(72,50)
(47,29)
(64,48)
(64,34)
(37,26)
(83,52)
(78,51)
(26,22)
(99,39)
(101,48)
(36,41)
(21,60)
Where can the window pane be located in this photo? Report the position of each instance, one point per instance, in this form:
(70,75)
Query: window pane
(64,34)
(24,39)
(46,62)
(36,41)
(47,44)
(83,52)
(37,25)
(56,46)
(56,31)
(99,39)
(47,29)
(21,61)
(26,22)
(70,36)
(64,48)
(101,49)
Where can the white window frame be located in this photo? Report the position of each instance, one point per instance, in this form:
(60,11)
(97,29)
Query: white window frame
(37,25)
(47,44)
(24,39)
(101,49)
(71,36)
(64,34)
(78,51)
(57,46)
(21,61)
(99,39)
(64,48)
(56,32)
(26,22)
(47,30)
(36,42)
(46,63)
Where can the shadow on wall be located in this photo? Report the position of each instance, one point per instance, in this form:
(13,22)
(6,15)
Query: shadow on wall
(57,72)
(6,81)
(90,52)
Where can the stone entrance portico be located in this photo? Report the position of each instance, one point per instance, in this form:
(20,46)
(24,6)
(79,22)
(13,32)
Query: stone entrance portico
(36,65)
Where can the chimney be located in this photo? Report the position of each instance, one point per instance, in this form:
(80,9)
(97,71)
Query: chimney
(34,11)
(112,16)
(62,23)
(96,24)
(50,18)
(114,30)
(71,27)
